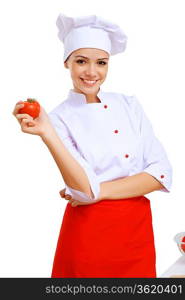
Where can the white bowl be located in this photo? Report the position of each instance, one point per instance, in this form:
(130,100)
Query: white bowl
(181,244)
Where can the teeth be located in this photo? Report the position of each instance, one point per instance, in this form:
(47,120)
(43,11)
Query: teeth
(89,81)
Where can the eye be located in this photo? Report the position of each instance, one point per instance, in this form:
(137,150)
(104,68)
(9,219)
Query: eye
(101,62)
(80,61)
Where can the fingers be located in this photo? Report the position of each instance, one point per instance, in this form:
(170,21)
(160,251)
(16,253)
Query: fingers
(68,197)
(27,118)
(62,193)
(18,116)
(24,120)
(25,123)
(78,203)
(71,200)
(23,116)
(75,203)
(17,107)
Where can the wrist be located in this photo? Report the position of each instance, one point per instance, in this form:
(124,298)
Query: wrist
(48,134)
(103,191)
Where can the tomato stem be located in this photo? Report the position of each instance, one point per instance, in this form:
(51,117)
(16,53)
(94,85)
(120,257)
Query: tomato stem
(31,100)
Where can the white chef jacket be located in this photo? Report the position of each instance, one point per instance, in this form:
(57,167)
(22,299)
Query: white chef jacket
(111,139)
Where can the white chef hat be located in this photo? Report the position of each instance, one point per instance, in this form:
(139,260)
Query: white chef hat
(90,32)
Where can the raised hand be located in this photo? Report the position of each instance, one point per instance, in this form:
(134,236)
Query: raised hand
(38,126)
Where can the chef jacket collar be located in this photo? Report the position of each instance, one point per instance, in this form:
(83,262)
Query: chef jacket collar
(79,99)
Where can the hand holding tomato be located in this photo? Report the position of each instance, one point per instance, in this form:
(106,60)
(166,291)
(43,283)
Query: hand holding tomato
(31,107)
(32,117)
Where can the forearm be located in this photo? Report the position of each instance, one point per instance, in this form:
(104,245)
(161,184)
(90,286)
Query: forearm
(128,187)
(73,174)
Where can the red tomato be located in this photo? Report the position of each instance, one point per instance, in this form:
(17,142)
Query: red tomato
(31,107)
(183,245)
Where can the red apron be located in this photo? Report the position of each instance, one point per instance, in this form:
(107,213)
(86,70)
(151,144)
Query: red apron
(110,238)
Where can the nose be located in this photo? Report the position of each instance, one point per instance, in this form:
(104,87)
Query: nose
(91,70)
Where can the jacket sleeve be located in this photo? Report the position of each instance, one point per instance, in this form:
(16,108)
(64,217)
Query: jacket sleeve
(69,143)
(155,160)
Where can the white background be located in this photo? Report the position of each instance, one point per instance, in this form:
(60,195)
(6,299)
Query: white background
(152,68)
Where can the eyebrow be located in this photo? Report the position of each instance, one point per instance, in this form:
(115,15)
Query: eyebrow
(88,58)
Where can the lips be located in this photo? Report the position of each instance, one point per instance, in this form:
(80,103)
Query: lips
(89,82)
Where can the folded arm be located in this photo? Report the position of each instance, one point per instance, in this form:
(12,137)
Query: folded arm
(156,171)
(82,183)
(128,187)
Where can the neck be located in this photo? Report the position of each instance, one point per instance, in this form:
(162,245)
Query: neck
(92,98)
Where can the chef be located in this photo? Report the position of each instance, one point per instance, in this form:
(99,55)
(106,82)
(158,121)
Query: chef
(109,157)
(109,134)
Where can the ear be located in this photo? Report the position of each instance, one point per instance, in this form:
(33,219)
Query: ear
(66,65)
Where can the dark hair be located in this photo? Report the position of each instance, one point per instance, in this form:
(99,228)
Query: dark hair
(67,58)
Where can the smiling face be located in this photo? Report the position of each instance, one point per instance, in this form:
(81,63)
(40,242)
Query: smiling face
(88,68)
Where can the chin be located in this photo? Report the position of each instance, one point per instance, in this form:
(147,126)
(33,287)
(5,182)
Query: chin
(90,90)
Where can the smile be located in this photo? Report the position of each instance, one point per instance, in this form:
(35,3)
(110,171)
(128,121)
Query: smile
(89,82)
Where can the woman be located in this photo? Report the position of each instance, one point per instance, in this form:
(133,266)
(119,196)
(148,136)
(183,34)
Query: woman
(109,158)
